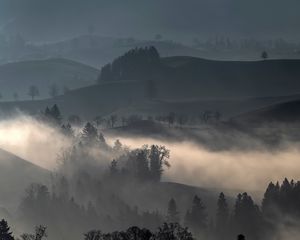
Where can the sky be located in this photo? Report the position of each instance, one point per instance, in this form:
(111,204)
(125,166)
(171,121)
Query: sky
(42,20)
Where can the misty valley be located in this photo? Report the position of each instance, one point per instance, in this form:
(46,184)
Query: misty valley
(149,120)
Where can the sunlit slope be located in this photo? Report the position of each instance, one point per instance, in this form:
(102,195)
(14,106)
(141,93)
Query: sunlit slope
(17,77)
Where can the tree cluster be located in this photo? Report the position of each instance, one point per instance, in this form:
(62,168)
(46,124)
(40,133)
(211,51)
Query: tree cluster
(133,65)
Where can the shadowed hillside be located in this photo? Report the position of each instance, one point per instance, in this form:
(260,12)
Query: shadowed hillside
(43,74)
(17,173)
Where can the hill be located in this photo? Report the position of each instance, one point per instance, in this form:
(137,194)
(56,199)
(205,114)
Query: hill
(286,112)
(18,76)
(96,50)
(191,77)
(16,174)
(184,85)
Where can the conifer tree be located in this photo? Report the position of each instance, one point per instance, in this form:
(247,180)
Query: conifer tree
(172,215)
(5,233)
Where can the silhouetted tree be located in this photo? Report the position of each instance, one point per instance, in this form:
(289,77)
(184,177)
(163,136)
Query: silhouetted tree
(158,158)
(172,215)
(222,216)
(171,118)
(196,217)
(89,133)
(113,119)
(247,216)
(5,233)
(113,168)
(67,130)
(93,235)
(173,231)
(33,91)
(264,55)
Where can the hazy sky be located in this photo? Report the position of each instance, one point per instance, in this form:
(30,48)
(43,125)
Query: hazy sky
(51,19)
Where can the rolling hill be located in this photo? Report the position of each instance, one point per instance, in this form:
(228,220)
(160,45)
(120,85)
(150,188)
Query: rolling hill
(16,175)
(18,76)
(185,85)
(96,50)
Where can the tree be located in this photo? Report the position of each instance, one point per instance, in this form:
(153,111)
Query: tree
(33,91)
(90,134)
(222,215)
(5,233)
(53,90)
(159,156)
(113,168)
(67,130)
(117,146)
(196,217)
(113,120)
(264,55)
(55,112)
(172,215)
(247,216)
(173,231)
(182,119)
(93,235)
(171,118)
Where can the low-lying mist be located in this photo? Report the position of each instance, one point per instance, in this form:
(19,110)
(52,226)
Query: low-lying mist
(191,163)
(233,169)
(32,140)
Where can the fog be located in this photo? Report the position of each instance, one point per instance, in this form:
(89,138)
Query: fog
(191,163)
(50,20)
(32,140)
(233,169)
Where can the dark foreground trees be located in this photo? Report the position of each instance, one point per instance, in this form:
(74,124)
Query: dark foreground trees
(5,233)
(168,231)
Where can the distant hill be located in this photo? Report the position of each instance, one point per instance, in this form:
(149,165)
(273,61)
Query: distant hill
(17,77)
(97,50)
(94,50)
(15,175)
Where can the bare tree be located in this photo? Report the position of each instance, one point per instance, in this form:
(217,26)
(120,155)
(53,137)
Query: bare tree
(33,91)
(40,233)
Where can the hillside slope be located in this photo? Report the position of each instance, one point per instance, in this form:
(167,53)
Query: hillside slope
(190,77)
(184,85)
(286,112)
(16,174)
(17,77)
